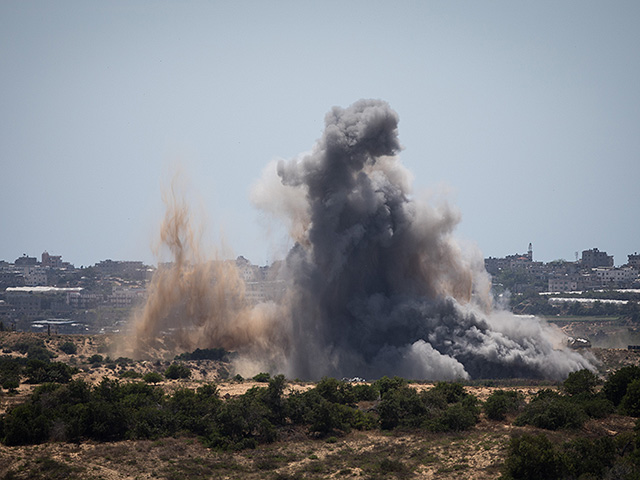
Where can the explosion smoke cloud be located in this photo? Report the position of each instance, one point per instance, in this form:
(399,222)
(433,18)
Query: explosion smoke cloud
(376,283)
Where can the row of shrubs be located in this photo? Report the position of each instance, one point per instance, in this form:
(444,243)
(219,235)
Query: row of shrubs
(33,369)
(577,401)
(536,456)
(114,410)
(37,367)
(330,406)
(533,457)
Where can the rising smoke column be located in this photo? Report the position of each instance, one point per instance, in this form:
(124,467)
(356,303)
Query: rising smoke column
(378,284)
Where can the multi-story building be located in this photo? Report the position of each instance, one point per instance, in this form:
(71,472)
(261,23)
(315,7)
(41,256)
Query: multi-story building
(25,260)
(248,271)
(85,300)
(126,297)
(595,258)
(119,268)
(39,301)
(51,261)
(525,260)
(10,277)
(620,277)
(34,275)
(565,283)
(634,260)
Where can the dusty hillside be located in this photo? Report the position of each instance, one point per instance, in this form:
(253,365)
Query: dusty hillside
(475,454)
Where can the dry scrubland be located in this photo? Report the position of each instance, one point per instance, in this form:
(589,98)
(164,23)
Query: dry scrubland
(476,453)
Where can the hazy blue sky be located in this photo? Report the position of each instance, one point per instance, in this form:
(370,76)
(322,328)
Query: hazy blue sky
(527,112)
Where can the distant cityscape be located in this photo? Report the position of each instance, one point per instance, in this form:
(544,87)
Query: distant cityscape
(49,294)
(593,270)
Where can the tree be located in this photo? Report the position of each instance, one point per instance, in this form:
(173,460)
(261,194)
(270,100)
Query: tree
(582,381)
(69,348)
(152,377)
(552,411)
(615,387)
(532,457)
(177,370)
(502,402)
(336,391)
(262,377)
(97,358)
(630,403)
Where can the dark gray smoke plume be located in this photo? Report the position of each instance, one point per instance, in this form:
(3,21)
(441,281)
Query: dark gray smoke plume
(375,284)
(378,284)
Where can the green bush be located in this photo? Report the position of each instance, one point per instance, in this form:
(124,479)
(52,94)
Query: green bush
(365,392)
(452,392)
(552,411)
(582,381)
(113,411)
(107,412)
(386,384)
(242,422)
(11,384)
(96,358)
(152,377)
(630,403)
(401,407)
(23,347)
(27,424)
(502,403)
(615,387)
(585,458)
(457,417)
(594,405)
(11,370)
(532,457)
(336,391)
(177,371)
(324,416)
(535,457)
(38,371)
(41,353)
(262,377)
(446,407)
(69,348)
(204,354)
(194,411)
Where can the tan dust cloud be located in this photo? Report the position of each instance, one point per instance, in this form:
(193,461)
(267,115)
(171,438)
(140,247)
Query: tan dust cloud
(198,301)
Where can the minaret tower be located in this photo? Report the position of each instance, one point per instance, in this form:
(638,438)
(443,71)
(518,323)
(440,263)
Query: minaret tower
(530,253)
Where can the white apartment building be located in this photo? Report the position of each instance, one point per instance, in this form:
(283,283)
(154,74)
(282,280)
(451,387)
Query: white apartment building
(34,275)
(611,275)
(564,283)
